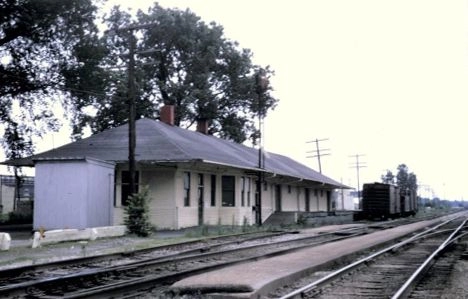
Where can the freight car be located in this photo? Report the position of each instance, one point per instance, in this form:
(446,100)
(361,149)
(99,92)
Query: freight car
(383,201)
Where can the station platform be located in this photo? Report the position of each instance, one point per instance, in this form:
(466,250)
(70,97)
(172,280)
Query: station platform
(257,279)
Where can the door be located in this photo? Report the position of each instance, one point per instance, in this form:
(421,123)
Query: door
(278,197)
(307,200)
(201,201)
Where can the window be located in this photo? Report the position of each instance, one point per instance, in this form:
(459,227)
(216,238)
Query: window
(228,191)
(187,189)
(265,186)
(201,188)
(315,193)
(321,193)
(125,187)
(289,189)
(242,191)
(248,191)
(213,190)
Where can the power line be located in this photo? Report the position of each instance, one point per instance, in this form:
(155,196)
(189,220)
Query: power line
(358,164)
(318,152)
(132,98)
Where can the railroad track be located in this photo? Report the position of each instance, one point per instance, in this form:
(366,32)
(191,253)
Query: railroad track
(58,268)
(398,271)
(157,268)
(98,279)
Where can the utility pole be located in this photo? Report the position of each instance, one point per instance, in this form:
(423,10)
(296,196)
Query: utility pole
(318,152)
(132,101)
(132,114)
(261,88)
(358,164)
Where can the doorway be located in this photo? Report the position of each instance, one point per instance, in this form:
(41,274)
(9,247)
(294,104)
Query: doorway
(278,197)
(307,200)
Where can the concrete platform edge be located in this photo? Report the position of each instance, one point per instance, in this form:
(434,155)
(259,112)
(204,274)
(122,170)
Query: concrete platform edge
(269,286)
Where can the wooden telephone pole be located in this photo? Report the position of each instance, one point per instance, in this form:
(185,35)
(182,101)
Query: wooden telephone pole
(358,164)
(318,153)
(132,101)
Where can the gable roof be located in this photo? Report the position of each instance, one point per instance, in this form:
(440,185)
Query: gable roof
(158,142)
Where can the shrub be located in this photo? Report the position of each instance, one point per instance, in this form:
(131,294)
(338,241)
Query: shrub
(17,218)
(136,214)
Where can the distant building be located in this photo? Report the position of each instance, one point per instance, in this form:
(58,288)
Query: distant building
(193,179)
(345,200)
(9,200)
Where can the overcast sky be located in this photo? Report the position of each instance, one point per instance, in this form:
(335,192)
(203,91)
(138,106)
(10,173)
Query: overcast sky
(385,79)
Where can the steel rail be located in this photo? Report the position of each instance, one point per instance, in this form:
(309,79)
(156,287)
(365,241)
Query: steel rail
(154,279)
(301,291)
(169,259)
(405,288)
(199,245)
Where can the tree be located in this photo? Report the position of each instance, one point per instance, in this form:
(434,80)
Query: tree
(388,178)
(190,65)
(38,40)
(406,180)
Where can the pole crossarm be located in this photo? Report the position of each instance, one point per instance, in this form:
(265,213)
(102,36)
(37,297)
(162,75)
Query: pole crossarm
(132,96)
(358,165)
(318,152)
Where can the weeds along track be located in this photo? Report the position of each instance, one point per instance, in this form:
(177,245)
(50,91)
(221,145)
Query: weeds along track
(69,266)
(158,269)
(417,267)
(161,266)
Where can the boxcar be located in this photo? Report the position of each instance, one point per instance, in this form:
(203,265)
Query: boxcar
(383,201)
(409,201)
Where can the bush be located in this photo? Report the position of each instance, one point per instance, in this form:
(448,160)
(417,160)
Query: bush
(15,218)
(136,214)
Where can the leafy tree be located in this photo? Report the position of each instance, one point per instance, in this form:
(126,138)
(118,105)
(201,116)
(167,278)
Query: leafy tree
(405,179)
(388,178)
(51,53)
(38,40)
(190,65)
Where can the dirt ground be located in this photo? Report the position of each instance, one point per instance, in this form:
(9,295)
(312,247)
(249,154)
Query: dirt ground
(459,282)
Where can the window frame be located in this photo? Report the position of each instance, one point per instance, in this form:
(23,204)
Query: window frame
(213,190)
(125,185)
(228,192)
(249,190)
(201,187)
(242,191)
(186,185)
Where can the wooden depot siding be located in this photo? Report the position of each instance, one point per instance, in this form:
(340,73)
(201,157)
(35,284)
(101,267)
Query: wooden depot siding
(163,153)
(168,210)
(213,215)
(161,187)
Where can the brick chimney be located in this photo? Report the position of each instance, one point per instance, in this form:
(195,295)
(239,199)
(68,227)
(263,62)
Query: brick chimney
(166,114)
(202,125)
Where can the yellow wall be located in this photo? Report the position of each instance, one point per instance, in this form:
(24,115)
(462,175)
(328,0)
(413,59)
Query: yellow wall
(167,210)
(218,214)
(160,184)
